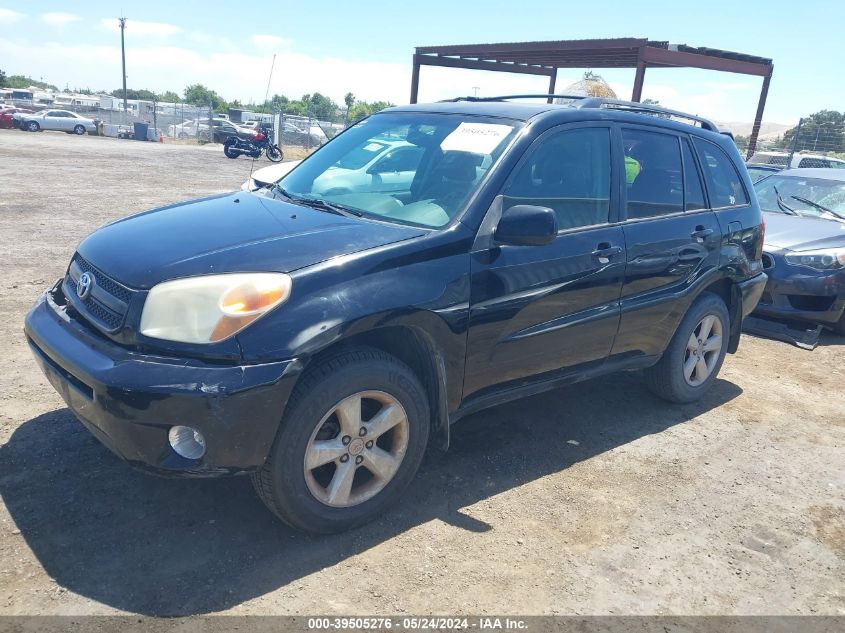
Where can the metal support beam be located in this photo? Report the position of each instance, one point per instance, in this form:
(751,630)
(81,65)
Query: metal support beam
(474,64)
(639,78)
(663,57)
(552,81)
(415,80)
(758,118)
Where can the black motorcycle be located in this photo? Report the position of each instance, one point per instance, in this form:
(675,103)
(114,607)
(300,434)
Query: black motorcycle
(260,144)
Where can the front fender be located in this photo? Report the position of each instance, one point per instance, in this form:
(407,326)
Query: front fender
(421,285)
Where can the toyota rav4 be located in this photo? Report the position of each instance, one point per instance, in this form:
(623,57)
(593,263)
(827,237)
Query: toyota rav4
(321,339)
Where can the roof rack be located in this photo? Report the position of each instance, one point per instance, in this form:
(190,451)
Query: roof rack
(601,102)
(507,97)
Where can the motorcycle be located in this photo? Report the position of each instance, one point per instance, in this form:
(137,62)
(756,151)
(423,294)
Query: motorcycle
(260,144)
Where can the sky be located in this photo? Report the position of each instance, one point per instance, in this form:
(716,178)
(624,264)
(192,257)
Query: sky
(365,47)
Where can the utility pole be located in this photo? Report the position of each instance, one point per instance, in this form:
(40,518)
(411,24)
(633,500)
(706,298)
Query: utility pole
(123,62)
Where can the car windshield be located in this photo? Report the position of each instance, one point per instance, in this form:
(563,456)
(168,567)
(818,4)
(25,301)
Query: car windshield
(360,156)
(803,196)
(758,173)
(407,168)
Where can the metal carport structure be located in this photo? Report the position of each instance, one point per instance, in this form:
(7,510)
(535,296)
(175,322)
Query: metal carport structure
(545,58)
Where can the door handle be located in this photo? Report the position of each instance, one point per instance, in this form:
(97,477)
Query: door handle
(605,251)
(700,232)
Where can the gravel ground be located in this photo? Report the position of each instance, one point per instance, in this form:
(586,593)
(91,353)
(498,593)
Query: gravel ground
(593,499)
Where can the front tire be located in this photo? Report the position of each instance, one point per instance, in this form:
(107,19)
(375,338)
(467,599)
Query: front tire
(32,126)
(274,153)
(352,438)
(692,360)
(79,130)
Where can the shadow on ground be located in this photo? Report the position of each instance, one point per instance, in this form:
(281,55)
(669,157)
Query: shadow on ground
(173,547)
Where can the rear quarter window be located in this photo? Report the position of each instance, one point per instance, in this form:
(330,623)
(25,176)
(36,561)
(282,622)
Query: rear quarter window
(724,184)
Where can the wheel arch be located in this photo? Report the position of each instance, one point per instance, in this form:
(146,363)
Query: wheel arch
(730,293)
(416,349)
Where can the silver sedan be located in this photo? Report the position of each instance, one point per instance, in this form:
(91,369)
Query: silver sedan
(59,120)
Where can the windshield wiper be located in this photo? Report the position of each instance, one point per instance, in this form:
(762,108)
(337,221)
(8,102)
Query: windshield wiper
(325,205)
(783,206)
(277,188)
(819,207)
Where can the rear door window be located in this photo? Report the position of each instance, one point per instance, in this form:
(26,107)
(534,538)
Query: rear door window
(723,182)
(654,159)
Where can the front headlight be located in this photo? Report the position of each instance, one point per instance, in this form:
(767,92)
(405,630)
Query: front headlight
(211,308)
(825,259)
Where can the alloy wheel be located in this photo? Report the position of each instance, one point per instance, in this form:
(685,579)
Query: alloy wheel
(356,449)
(704,347)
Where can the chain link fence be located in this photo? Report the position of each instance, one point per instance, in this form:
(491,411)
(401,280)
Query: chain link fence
(298,136)
(815,141)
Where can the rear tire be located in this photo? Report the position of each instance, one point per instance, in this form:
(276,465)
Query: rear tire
(229,149)
(308,497)
(692,360)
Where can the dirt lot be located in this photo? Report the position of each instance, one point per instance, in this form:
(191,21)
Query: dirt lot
(593,499)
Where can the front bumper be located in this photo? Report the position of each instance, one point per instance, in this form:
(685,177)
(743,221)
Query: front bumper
(798,293)
(129,400)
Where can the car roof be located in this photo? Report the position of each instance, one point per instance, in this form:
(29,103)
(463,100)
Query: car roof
(519,111)
(558,113)
(822,173)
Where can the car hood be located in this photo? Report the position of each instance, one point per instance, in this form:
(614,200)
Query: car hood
(795,233)
(236,232)
(273,173)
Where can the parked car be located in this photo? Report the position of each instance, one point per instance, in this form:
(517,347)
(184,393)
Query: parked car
(321,341)
(59,120)
(291,134)
(758,172)
(7,116)
(265,177)
(799,160)
(381,165)
(222,129)
(804,251)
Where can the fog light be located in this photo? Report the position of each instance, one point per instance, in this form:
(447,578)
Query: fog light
(187,442)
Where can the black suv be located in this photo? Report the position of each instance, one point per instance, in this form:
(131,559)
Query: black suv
(322,337)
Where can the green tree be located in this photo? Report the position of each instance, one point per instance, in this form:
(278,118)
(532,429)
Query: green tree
(143,94)
(821,131)
(197,94)
(741,142)
(2,79)
(19,81)
(169,96)
(363,109)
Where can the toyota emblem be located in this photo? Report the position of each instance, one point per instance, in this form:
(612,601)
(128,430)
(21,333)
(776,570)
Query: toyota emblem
(84,285)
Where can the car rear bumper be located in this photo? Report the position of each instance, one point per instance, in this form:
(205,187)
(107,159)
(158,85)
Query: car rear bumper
(802,294)
(751,290)
(129,400)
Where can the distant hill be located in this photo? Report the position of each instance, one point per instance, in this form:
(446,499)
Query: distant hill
(768,131)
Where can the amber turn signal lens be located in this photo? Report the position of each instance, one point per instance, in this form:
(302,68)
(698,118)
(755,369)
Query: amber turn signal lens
(250,298)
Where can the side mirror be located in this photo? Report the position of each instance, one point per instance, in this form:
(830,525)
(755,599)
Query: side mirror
(526,225)
(381,166)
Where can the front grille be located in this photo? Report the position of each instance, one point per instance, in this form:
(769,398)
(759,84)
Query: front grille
(768,261)
(811,303)
(105,282)
(108,302)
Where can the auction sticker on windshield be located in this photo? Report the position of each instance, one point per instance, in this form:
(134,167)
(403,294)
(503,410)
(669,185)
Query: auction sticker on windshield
(476,138)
